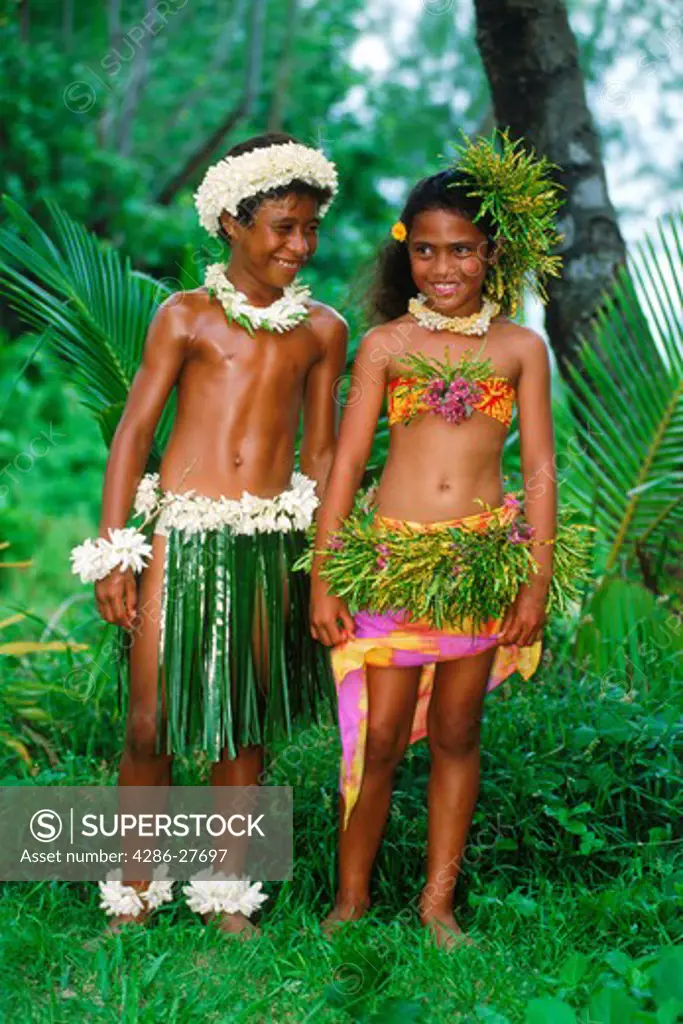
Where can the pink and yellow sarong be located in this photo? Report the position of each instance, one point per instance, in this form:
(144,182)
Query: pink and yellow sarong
(393,639)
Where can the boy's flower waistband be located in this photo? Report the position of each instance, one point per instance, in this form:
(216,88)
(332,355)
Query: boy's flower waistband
(292,509)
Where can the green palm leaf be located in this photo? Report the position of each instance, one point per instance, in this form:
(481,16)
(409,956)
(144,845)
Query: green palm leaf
(93,307)
(628,389)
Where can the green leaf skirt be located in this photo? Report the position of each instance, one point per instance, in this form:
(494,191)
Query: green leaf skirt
(457,574)
(235,650)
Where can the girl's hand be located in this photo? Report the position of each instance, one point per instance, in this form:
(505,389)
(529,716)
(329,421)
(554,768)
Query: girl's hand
(524,620)
(326,612)
(116,596)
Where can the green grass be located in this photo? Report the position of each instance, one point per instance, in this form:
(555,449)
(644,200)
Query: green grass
(570,884)
(179,970)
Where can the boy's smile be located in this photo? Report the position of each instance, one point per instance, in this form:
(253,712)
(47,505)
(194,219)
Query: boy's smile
(288,264)
(268,253)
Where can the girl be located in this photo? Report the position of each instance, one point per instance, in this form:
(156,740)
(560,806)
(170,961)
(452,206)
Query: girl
(218,661)
(449,587)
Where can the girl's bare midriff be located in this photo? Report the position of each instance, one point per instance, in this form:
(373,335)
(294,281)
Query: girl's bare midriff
(437,470)
(238,409)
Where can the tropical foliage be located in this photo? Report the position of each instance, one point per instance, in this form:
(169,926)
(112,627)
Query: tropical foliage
(627,392)
(570,885)
(23,695)
(90,303)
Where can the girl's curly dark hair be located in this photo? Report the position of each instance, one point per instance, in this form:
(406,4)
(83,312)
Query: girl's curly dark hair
(248,207)
(392,283)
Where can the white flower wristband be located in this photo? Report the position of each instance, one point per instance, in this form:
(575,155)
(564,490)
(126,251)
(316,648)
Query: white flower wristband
(127,548)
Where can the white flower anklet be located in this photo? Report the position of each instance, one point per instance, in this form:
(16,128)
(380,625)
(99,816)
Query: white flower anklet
(206,893)
(118,900)
(209,893)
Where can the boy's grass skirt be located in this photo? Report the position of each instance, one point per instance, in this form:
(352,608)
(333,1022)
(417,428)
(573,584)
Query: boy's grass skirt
(392,638)
(240,667)
(236,658)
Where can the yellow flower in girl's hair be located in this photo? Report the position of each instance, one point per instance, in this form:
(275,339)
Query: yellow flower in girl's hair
(399,231)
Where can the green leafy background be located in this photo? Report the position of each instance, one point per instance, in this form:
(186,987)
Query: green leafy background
(572,882)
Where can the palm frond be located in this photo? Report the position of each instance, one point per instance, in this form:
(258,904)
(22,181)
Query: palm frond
(628,390)
(626,630)
(93,307)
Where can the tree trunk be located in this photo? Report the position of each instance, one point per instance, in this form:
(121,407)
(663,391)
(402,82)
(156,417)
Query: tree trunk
(107,120)
(242,110)
(24,21)
(135,86)
(276,114)
(220,54)
(114,21)
(68,24)
(531,60)
(487,123)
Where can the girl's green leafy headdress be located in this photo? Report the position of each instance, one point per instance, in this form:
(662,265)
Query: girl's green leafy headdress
(520,198)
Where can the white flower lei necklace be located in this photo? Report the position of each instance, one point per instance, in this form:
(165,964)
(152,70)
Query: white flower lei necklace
(477,324)
(282,315)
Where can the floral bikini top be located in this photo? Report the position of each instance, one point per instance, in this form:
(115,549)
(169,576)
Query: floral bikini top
(453,391)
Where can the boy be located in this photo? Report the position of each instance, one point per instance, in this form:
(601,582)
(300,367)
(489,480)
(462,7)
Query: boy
(247,352)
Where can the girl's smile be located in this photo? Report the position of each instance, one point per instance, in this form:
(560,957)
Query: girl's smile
(446,289)
(449,257)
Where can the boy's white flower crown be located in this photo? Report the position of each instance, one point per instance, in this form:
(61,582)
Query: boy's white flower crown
(235,178)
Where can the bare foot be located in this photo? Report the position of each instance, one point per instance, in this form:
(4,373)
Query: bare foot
(114,926)
(233,924)
(445,930)
(116,923)
(342,913)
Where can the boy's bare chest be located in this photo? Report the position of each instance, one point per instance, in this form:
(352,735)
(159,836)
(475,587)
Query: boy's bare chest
(227,350)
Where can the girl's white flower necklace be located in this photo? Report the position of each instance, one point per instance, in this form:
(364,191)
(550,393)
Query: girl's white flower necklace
(282,315)
(476,324)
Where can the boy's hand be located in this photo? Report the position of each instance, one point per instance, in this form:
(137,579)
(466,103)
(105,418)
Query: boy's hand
(116,597)
(524,620)
(326,611)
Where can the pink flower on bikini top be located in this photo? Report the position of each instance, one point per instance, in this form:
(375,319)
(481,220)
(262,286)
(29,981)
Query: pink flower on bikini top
(454,401)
